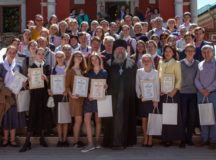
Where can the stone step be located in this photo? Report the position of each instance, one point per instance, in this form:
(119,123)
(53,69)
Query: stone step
(52,140)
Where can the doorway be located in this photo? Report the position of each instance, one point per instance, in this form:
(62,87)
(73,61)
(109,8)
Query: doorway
(112,9)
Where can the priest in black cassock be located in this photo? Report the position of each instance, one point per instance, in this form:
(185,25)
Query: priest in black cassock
(120,130)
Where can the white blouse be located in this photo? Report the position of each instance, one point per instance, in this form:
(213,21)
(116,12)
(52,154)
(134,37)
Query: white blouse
(143,75)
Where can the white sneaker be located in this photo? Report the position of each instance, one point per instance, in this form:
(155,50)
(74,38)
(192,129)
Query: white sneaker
(88,148)
(98,146)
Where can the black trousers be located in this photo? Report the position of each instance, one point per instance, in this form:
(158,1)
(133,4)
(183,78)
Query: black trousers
(189,111)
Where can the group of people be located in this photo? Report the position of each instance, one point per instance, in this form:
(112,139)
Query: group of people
(125,53)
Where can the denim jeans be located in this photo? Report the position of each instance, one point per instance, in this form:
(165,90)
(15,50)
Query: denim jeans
(208,133)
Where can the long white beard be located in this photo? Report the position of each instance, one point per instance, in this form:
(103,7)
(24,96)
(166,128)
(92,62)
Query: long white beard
(119,60)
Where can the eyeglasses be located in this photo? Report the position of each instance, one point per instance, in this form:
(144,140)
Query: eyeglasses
(33,45)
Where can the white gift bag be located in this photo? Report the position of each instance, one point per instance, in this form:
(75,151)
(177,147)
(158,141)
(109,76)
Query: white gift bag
(206,113)
(154,127)
(170,113)
(104,107)
(64,115)
(50,102)
(23,101)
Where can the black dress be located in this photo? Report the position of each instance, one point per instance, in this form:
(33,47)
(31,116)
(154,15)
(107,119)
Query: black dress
(40,116)
(172,132)
(120,130)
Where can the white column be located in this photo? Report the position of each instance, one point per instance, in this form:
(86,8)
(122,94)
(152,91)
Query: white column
(179,8)
(51,8)
(23,15)
(193,10)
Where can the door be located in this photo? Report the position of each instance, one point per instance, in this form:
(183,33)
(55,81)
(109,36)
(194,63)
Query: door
(113,8)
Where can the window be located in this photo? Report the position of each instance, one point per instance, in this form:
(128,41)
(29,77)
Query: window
(11,19)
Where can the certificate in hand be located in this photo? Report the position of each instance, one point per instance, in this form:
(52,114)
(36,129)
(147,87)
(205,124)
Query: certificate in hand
(57,84)
(97,90)
(80,86)
(148,90)
(167,83)
(104,107)
(17,82)
(35,75)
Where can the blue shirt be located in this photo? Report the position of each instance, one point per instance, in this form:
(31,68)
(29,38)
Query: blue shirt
(206,75)
(102,74)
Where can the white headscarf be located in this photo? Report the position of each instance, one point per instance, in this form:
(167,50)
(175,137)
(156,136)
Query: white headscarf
(9,68)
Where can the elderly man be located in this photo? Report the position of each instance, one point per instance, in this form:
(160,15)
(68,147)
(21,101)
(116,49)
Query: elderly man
(120,130)
(107,53)
(205,82)
(159,29)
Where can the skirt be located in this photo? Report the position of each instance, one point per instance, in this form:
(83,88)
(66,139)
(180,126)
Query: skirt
(13,119)
(145,108)
(90,106)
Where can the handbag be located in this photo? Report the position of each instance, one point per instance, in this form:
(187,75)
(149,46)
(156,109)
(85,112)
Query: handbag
(206,113)
(64,115)
(104,107)
(154,126)
(170,113)
(50,102)
(23,101)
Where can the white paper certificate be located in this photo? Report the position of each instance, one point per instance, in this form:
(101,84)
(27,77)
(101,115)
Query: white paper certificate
(97,90)
(17,82)
(104,107)
(167,83)
(35,75)
(80,86)
(148,90)
(57,84)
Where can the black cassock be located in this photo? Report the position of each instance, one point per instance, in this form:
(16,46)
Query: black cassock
(120,130)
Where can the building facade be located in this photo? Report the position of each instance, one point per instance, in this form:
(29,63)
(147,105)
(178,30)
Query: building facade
(18,12)
(207,19)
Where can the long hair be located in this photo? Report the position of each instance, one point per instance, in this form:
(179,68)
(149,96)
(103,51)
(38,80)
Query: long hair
(83,65)
(90,66)
(137,54)
(173,50)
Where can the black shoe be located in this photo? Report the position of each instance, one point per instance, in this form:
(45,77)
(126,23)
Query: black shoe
(59,144)
(144,145)
(26,146)
(65,144)
(14,144)
(190,143)
(167,144)
(43,142)
(150,145)
(5,144)
(80,144)
(118,148)
(182,145)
